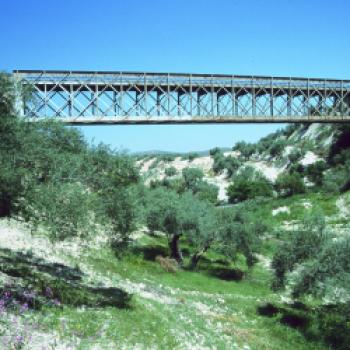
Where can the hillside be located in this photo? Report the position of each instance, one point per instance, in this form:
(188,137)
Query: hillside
(68,283)
(313,141)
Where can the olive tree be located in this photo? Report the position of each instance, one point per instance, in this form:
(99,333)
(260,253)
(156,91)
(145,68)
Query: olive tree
(304,243)
(240,232)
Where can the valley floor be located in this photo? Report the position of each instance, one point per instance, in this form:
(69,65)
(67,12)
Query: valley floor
(182,310)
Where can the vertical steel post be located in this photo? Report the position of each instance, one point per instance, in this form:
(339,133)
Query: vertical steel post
(70,101)
(253,93)
(93,106)
(198,103)
(233,96)
(121,96)
(271,97)
(212,96)
(168,95)
(308,99)
(289,99)
(146,95)
(191,97)
(137,104)
(46,101)
(158,102)
(114,101)
(217,104)
(342,102)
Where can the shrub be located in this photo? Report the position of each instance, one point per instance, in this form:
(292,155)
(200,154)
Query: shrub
(171,171)
(192,177)
(67,210)
(326,272)
(337,179)
(167,158)
(232,164)
(246,149)
(169,265)
(219,162)
(277,147)
(192,156)
(215,151)
(122,210)
(297,168)
(207,192)
(315,172)
(304,243)
(239,232)
(198,223)
(288,184)
(295,155)
(340,144)
(162,214)
(248,184)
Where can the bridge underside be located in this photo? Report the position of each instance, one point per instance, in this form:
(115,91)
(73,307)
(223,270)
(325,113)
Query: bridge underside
(160,98)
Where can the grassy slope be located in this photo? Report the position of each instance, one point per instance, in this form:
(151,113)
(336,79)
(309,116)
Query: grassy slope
(185,310)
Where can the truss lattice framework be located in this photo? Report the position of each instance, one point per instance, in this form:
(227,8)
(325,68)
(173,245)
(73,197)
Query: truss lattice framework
(80,97)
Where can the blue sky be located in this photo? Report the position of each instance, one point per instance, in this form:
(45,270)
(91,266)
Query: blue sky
(262,37)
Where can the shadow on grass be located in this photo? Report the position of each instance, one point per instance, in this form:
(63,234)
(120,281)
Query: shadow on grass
(329,324)
(48,282)
(151,252)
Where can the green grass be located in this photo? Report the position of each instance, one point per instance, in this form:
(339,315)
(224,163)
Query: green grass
(319,201)
(187,309)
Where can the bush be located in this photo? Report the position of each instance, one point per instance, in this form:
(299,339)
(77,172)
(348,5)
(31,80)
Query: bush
(169,265)
(215,151)
(171,171)
(240,232)
(167,158)
(288,184)
(326,272)
(192,178)
(304,243)
(248,184)
(67,210)
(48,172)
(207,192)
(122,210)
(192,156)
(295,155)
(246,149)
(341,145)
(296,168)
(315,171)
(337,179)
(232,164)
(219,162)
(277,147)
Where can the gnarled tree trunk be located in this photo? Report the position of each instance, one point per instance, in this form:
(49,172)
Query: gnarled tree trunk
(175,251)
(197,255)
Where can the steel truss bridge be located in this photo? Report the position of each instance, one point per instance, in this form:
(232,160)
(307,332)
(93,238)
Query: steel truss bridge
(84,97)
